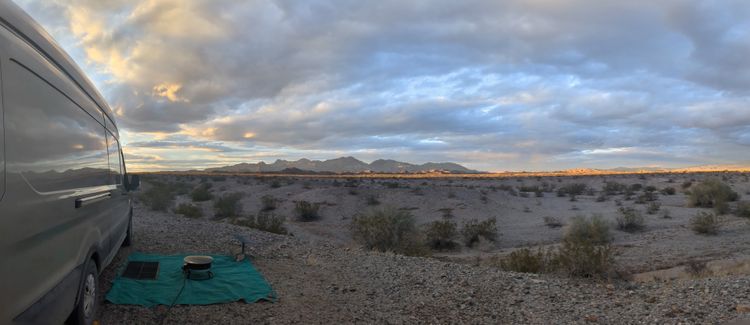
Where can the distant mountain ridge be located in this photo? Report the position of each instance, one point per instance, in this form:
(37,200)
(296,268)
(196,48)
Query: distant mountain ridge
(343,165)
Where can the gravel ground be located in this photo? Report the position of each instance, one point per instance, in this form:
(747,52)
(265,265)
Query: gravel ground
(323,283)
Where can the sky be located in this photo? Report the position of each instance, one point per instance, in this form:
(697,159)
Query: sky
(494,85)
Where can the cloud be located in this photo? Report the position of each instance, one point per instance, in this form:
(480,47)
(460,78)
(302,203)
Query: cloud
(521,84)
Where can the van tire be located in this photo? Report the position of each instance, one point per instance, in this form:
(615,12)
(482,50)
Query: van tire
(129,236)
(88,297)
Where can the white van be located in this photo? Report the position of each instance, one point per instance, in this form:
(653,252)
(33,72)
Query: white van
(64,207)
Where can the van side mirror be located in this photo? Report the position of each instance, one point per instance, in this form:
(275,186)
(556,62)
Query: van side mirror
(132,182)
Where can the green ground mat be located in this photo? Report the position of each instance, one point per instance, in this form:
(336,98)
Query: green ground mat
(232,281)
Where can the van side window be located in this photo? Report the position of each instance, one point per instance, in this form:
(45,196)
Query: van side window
(115,165)
(50,141)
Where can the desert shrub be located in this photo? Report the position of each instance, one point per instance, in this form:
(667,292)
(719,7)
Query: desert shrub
(666,214)
(531,188)
(583,259)
(712,194)
(388,229)
(441,234)
(601,198)
(158,197)
(201,193)
(572,189)
(705,223)
(353,191)
(526,260)
(614,188)
(391,185)
(552,222)
(630,220)
(653,208)
(228,205)
(307,211)
(275,183)
(668,191)
(268,203)
(685,185)
(584,252)
(372,200)
(593,230)
(451,194)
(265,222)
(539,194)
(635,187)
(473,229)
(188,210)
(523,194)
(743,210)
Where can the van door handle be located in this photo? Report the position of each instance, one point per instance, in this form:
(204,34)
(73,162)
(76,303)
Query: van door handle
(84,201)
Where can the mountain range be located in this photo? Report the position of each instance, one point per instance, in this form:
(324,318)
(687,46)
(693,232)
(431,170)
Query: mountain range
(342,165)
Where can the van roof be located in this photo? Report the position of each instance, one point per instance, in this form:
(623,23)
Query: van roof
(27,28)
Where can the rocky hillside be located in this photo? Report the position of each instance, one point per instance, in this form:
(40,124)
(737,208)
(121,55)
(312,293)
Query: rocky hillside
(343,165)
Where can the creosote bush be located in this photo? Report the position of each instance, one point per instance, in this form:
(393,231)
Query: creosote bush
(264,221)
(307,211)
(201,193)
(227,205)
(593,230)
(188,210)
(712,194)
(268,203)
(743,210)
(160,196)
(705,223)
(388,230)
(584,252)
(474,229)
(441,234)
(630,220)
(526,260)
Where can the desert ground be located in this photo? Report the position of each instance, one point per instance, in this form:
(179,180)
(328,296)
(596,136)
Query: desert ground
(664,273)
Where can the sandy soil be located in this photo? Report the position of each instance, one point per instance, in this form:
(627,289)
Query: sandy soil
(665,242)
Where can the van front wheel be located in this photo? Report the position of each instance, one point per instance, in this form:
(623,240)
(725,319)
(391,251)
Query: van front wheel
(88,299)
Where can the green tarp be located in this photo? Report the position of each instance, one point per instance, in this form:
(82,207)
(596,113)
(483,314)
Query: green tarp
(232,281)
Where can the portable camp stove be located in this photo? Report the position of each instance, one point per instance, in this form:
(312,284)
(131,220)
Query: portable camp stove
(197,267)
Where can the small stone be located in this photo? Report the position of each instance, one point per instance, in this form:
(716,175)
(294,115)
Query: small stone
(743,308)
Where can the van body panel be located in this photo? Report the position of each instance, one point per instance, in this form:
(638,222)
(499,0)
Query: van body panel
(60,149)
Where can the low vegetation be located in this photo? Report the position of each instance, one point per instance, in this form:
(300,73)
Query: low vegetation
(630,220)
(594,230)
(201,193)
(388,230)
(441,234)
(265,222)
(189,210)
(268,203)
(160,196)
(585,252)
(227,206)
(712,194)
(743,210)
(705,223)
(474,229)
(307,211)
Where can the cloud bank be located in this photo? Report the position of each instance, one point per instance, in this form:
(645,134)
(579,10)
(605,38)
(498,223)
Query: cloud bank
(495,85)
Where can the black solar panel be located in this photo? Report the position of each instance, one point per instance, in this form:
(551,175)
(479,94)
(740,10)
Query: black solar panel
(141,270)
